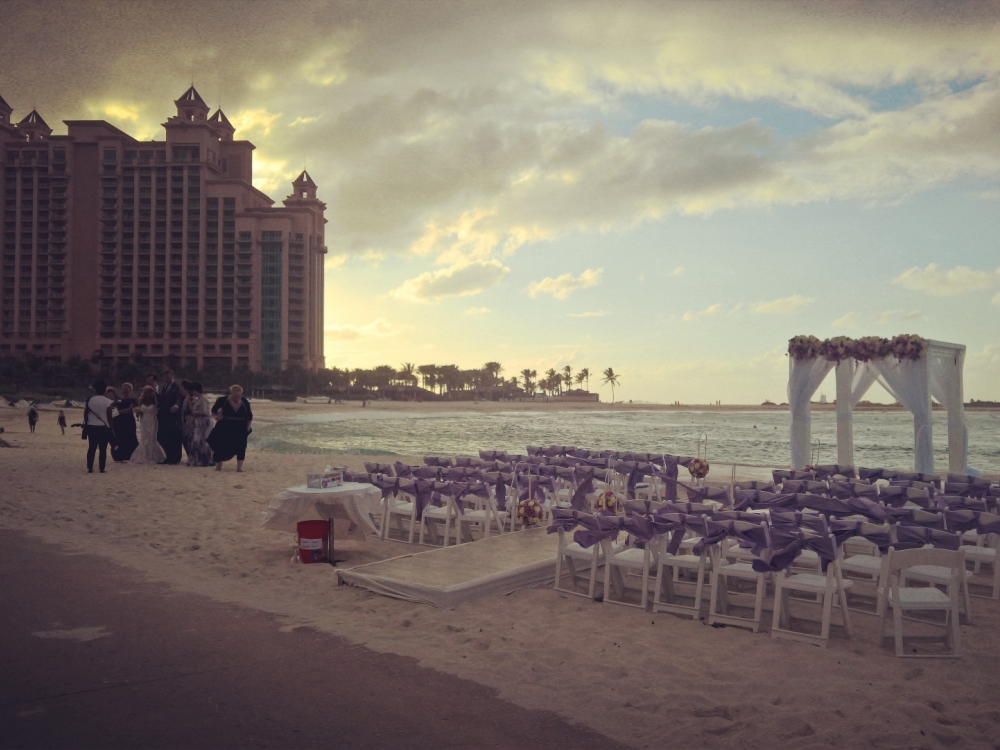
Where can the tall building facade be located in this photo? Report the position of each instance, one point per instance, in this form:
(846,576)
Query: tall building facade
(160,250)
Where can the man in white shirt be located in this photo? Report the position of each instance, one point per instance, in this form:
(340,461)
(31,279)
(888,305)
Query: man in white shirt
(97,420)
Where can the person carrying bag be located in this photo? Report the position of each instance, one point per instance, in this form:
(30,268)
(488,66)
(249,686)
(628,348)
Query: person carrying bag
(97,421)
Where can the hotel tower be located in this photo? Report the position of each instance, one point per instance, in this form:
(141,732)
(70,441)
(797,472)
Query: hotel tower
(163,250)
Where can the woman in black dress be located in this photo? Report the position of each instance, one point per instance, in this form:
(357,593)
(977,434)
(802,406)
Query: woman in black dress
(232,427)
(124,425)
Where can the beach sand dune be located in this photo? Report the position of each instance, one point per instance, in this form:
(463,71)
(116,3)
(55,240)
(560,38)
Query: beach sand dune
(648,681)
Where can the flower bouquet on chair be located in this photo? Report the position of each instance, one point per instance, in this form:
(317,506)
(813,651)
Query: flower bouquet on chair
(530,512)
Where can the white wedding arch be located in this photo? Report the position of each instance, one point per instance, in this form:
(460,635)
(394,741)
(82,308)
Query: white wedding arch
(911,369)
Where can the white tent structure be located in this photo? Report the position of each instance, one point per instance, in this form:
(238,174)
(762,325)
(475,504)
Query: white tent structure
(912,382)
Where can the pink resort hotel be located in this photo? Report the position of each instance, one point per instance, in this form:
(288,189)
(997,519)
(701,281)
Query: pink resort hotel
(164,250)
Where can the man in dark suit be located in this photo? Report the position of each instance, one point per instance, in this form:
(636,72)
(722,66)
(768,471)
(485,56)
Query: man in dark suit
(168,419)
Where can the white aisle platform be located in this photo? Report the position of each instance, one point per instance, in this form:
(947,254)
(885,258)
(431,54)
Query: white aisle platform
(448,576)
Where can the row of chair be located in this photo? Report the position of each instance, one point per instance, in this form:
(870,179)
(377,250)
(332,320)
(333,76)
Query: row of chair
(801,553)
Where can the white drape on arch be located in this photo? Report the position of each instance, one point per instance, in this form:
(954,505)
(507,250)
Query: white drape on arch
(908,382)
(944,368)
(804,377)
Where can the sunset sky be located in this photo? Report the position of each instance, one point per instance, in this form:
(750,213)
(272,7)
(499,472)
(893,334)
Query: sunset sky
(670,189)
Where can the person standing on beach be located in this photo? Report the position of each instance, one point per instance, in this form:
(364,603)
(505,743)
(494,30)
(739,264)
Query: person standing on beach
(32,418)
(126,440)
(97,423)
(199,452)
(62,421)
(232,427)
(168,418)
(148,451)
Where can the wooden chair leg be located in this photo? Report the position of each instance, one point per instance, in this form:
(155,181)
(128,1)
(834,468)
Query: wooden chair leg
(956,633)
(758,606)
(593,573)
(777,614)
(897,621)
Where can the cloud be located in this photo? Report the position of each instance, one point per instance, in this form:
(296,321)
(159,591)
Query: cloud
(940,283)
(334,261)
(898,316)
(560,287)
(454,281)
(848,320)
(996,298)
(597,314)
(253,121)
(378,328)
(677,271)
(783,306)
(855,319)
(478,311)
(706,313)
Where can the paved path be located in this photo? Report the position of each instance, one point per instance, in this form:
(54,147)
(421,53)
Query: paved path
(94,656)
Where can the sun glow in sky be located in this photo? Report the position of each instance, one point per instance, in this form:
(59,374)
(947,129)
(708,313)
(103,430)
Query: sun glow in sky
(670,189)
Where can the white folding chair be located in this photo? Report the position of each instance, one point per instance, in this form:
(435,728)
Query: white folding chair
(864,565)
(736,565)
(670,570)
(399,507)
(569,551)
(825,587)
(982,549)
(618,566)
(901,598)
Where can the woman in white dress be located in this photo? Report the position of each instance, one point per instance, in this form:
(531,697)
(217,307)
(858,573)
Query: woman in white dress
(149,451)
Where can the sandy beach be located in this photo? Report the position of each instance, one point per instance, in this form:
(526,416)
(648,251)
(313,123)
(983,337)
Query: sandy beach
(644,680)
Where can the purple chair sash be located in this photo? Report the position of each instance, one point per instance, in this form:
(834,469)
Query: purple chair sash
(828,506)
(828,470)
(377,468)
(966,490)
(388,485)
(914,537)
(780,475)
(909,517)
(793,519)
(868,508)
(789,543)
(954,502)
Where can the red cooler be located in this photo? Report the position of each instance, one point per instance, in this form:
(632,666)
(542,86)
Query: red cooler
(314,541)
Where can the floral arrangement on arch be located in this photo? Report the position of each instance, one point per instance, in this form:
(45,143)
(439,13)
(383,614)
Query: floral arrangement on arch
(804,347)
(908,346)
(529,512)
(871,347)
(607,500)
(837,349)
(698,468)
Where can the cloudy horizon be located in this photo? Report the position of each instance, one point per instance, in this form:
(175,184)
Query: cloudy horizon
(670,189)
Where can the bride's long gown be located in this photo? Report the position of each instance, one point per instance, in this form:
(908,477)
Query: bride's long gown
(149,451)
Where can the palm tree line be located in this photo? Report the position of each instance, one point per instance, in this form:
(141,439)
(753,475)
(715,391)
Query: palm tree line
(36,375)
(447,378)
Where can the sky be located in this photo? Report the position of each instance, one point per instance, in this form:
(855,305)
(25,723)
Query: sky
(671,189)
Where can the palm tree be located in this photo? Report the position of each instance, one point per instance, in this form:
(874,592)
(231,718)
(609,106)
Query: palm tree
(493,370)
(552,381)
(406,372)
(584,374)
(527,379)
(567,377)
(429,373)
(610,379)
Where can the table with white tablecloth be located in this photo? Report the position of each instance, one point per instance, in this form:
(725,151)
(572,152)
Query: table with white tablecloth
(355,501)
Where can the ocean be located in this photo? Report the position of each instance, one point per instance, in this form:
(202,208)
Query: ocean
(881,439)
